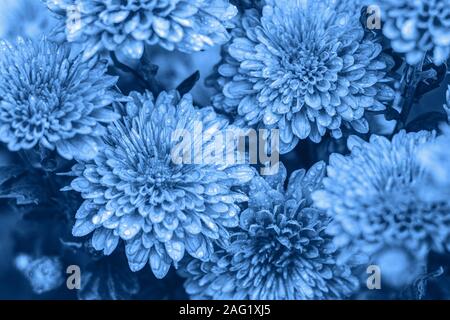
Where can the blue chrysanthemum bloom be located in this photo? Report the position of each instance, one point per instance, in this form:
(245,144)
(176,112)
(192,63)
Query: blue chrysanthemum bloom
(374,198)
(435,158)
(35,19)
(107,279)
(417,27)
(126,26)
(51,98)
(281,250)
(161,208)
(303,67)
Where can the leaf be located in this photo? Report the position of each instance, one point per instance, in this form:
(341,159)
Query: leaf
(170,288)
(391,114)
(26,189)
(427,121)
(9,172)
(108,279)
(187,84)
(432,76)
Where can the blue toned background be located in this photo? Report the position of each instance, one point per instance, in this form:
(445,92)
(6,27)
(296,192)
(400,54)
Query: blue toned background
(92,90)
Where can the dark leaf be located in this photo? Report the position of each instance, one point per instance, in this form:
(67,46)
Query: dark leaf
(147,70)
(432,76)
(169,288)
(25,190)
(108,279)
(15,184)
(10,172)
(189,83)
(427,121)
(391,114)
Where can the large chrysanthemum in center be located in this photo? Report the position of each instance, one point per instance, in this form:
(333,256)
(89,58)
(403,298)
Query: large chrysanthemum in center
(304,67)
(134,191)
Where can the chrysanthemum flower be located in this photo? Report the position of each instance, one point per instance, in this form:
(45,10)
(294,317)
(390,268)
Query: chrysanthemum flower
(417,27)
(303,67)
(50,97)
(126,26)
(134,191)
(435,158)
(373,196)
(281,250)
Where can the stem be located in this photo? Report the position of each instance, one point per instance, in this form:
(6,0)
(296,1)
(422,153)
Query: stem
(27,159)
(408,101)
(412,78)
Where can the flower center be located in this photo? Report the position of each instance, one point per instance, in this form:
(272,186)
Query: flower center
(306,67)
(273,255)
(157,174)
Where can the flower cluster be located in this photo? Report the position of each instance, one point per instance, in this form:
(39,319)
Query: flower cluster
(304,67)
(416,28)
(281,250)
(373,195)
(134,191)
(49,97)
(115,153)
(126,26)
